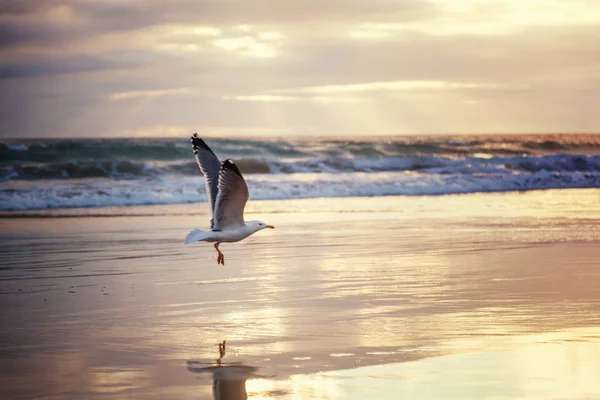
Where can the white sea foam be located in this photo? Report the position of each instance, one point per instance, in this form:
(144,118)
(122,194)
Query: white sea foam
(25,195)
(17,147)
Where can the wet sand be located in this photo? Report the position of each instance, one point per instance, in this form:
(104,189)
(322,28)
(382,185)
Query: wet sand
(449,297)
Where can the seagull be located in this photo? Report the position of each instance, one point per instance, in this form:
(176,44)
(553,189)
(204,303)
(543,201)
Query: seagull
(228,193)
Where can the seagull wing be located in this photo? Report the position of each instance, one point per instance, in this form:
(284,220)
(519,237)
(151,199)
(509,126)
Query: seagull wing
(231,198)
(209,165)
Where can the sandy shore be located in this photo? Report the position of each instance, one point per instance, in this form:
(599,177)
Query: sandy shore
(451,297)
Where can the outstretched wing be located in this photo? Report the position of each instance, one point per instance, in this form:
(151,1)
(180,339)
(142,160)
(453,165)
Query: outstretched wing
(231,198)
(209,165)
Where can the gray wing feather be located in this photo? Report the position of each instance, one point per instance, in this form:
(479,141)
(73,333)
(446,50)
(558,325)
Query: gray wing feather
(209,165)
(231,198)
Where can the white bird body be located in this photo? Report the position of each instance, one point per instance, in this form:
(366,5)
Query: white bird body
(226,236)
(228,193)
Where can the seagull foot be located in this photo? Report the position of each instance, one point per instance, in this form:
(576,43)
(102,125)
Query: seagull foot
(220,256)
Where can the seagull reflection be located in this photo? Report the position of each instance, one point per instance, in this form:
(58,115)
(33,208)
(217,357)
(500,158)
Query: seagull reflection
(229,379)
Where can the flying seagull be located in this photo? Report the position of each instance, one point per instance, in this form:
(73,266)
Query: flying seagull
(228,193)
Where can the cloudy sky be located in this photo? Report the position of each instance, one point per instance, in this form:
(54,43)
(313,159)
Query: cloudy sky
(297,67)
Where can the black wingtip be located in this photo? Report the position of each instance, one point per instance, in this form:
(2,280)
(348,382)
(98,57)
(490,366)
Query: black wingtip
(230,165)
(197,142)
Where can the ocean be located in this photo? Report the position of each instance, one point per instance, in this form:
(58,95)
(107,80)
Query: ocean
(46,174)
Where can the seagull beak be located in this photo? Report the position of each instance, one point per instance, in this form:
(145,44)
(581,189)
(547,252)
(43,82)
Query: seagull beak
(270,226)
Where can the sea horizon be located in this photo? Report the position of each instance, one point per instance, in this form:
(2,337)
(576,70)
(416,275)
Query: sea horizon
(285,135)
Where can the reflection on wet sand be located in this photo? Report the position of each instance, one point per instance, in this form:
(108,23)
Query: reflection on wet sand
(455,287)
(556,365)
(229,380)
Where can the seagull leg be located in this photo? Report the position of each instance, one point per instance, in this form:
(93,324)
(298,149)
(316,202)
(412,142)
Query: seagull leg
(220,257)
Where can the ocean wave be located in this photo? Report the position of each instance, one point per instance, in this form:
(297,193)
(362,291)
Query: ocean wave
(49,174)
(106,192)
(17,147)
(46,151)
(171,150)
(125,169)
(119,169)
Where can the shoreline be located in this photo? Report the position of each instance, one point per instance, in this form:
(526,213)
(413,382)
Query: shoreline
(118,304)
(197,206)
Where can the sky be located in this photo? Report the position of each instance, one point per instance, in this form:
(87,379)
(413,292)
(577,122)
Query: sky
(82,68)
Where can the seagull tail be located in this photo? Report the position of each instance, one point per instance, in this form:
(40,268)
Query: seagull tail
(197,235)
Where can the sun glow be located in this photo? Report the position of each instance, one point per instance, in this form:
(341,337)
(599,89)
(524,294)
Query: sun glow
(398,86)
(475,17)
(261,45)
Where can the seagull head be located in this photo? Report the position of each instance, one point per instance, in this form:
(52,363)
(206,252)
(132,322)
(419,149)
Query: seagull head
(258,225)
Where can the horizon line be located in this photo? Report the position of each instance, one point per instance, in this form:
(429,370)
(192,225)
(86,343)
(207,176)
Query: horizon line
(304,136)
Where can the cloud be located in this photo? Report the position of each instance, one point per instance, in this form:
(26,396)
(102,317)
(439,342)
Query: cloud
(267,98)
(410,85)
(472,17)
(148,93)
(16,7)
(263,97)
(336,66)
(60,21)
(50,67)
(35,66)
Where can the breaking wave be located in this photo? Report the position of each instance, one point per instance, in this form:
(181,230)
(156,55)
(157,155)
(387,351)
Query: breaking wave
(124,169)
(120,172)
(106,192)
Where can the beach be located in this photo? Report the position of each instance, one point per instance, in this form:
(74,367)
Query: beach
(459,296)
(429,172)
